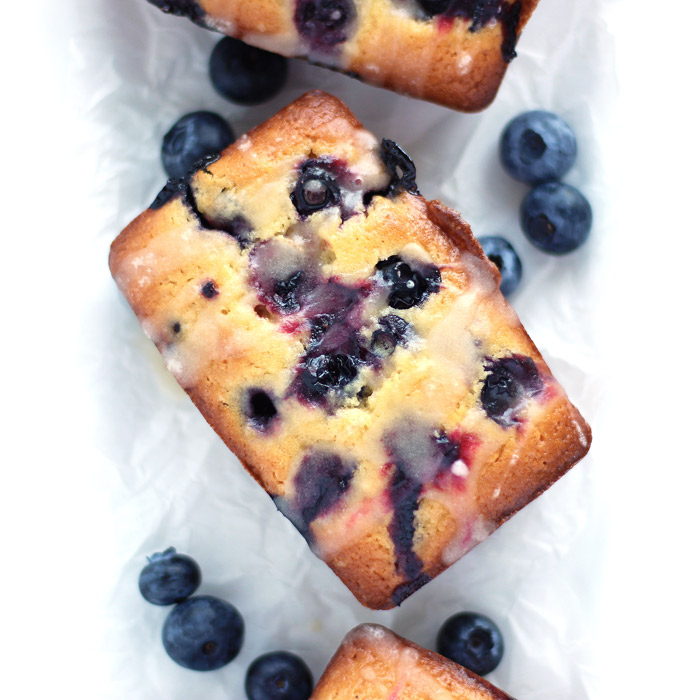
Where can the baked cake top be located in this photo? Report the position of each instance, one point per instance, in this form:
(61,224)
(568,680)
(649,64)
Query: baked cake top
(348,340)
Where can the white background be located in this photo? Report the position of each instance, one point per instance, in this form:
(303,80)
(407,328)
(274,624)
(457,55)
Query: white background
(78,506)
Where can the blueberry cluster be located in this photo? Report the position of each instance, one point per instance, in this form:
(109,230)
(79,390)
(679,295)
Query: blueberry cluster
(201,632)
(539,148)
(204,633)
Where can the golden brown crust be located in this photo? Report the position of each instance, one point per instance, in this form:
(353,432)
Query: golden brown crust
(373,663)
(156,271)
(439,60)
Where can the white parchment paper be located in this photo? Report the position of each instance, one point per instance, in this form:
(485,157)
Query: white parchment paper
(134,71)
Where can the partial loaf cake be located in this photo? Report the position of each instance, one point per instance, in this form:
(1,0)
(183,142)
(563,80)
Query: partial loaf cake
(453,52)
(348,341)
(373,663)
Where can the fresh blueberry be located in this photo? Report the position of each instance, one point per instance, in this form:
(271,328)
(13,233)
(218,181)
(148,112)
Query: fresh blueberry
(203,633)
(324,23)
(278,675)
(509,382)
(191,138)
(471,640)
(245,74)
(316,188)
(169,577)
(408,287)
(556,218)
(260,408)
(502,254)
(537,147)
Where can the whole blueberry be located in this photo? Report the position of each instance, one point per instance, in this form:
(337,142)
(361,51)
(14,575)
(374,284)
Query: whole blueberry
(556,218)
(502,254)
(537,147)
(401,167)
(471,640)
(203,633)
(245,74)
(169,577)
(190,139)
(278,675)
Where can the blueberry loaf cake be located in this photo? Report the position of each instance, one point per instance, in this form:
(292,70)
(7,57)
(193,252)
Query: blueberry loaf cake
(373,663)
(453,52)
(348,341)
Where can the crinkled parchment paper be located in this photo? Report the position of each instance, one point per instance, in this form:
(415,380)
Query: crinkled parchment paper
(134,71)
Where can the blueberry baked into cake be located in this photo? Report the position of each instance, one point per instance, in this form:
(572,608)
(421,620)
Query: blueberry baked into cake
(373,663)
(453,52)
(347,339)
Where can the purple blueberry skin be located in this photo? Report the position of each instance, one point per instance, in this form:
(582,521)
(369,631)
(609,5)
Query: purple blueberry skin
(324,23)
(169,578)
(278,675)
(537,147)
(193,137)
(509,382)
(203,633)
(319,485)
(246,74)
(502,254)
(408,286)
(473,641)
(556,218)
(260,409)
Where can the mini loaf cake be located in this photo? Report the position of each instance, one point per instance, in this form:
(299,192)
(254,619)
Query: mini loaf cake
(453,52)
(348,341)
(373,663)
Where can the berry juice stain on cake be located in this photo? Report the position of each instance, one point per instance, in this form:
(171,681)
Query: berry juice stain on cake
(510,382)
(319,484)
(419,453)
